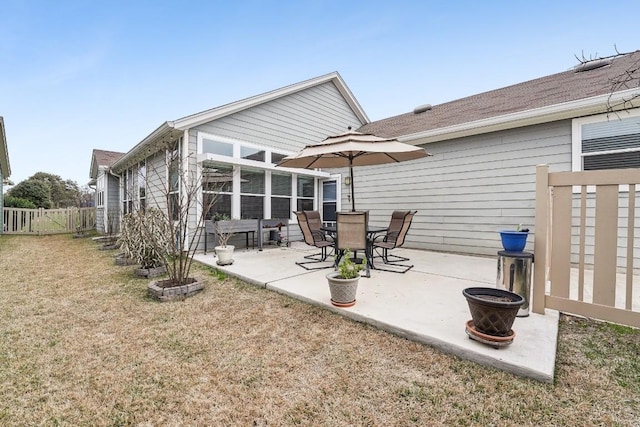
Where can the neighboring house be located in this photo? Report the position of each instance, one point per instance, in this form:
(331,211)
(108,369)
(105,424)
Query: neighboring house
(107,186)
(241,142)
(5,168)
(481,177)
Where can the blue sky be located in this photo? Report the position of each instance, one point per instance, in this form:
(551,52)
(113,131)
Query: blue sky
(78,75)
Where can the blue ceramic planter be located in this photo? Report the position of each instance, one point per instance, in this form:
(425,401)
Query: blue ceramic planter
(514,241)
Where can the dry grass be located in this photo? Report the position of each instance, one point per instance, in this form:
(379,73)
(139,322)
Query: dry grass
(81,344)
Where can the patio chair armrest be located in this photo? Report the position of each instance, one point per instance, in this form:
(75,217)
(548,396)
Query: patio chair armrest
(378,238)
(391,236)
(318,235)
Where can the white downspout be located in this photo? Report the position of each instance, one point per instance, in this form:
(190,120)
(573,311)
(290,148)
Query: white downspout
(106,198)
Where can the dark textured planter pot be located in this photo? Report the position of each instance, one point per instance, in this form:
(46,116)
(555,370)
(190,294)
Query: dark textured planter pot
(493,310)
(164,290)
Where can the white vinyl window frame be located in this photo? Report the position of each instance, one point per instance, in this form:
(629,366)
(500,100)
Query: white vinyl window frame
(100,181)
(577,156)
(238,162)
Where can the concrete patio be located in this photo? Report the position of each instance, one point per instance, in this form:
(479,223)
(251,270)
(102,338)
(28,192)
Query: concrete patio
(424,305)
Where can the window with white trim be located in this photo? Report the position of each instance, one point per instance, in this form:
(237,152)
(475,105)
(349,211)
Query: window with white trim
(306,193)
(252,183)
(127,191)
(606,141)
(217,189)
(142,184)
(175,169)
(255,188)
(280,195)
(100,190)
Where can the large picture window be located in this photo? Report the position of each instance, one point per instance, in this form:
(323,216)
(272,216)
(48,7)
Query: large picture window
(255,188)
(607,142)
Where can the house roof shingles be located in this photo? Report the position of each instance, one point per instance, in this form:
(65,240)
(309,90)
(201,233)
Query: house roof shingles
(102,158)
(106,158)
(542,92)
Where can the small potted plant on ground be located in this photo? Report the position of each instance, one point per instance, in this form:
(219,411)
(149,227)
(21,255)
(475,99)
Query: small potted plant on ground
(343,283)
(224,232)
(514,241)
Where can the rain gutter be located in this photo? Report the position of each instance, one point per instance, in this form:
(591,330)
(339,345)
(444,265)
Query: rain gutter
(144,147)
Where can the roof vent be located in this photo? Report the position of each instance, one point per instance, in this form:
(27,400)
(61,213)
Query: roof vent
(422,108)
(591,65)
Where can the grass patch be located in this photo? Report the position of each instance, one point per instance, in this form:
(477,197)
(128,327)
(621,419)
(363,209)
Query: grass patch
(82,344)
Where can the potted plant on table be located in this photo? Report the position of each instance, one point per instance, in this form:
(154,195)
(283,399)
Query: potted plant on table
(343,283)
(224,228)
(514,241)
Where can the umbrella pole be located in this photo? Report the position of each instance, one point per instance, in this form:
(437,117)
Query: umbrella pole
(353,195)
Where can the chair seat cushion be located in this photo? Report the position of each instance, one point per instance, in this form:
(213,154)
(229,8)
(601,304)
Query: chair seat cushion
(323,243)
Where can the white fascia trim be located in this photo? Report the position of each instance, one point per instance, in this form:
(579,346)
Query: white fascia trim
(209,157)
(566,110)
(162,131)
(234,107)
(351,99)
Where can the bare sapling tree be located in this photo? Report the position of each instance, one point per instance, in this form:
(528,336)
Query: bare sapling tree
(181,202)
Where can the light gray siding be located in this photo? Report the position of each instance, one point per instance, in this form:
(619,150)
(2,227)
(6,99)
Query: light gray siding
(100,219)
(157,181)
(468,190)
(291,122)
(112,193)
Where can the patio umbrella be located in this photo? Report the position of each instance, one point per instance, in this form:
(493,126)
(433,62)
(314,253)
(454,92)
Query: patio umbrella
(353,149)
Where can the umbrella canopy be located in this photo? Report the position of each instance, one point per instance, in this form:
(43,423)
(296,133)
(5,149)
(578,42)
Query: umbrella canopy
(353,149)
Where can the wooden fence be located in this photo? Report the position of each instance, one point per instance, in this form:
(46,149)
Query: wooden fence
(48,221)
(586,244)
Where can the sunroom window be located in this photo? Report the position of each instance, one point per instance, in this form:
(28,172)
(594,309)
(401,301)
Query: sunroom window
(306,193)
(252,194)
(280,195)
(217,147)
(217,188)
(257,188)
